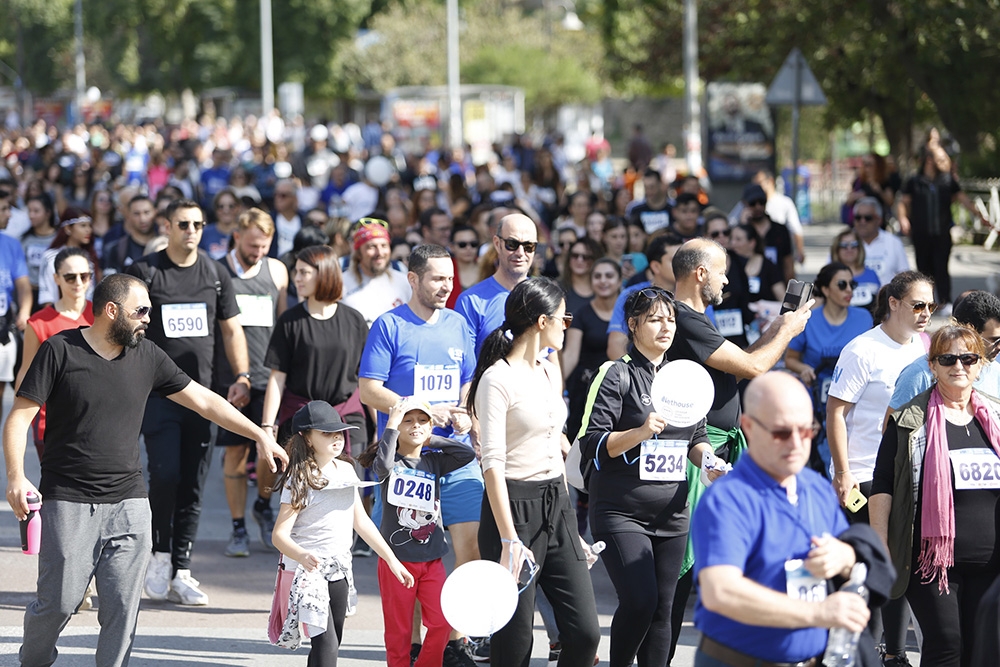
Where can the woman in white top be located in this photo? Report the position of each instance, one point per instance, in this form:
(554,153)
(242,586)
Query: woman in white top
(863,382)
(526,515)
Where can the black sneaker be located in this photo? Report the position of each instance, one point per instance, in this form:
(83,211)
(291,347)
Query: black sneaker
(554,652)
(414,653)
(480,648)
(456,654)
(896,661)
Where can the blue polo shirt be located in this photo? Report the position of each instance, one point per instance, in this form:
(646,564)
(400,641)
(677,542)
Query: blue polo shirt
(12,266)
(746,520)
(482,306)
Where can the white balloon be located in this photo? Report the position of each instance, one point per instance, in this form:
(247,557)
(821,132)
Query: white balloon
(479,598)
(379,170)
(682,392)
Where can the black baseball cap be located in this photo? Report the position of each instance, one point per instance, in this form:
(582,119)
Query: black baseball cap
(318,416)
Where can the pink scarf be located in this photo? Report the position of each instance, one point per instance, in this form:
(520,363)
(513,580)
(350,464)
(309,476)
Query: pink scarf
(937,518)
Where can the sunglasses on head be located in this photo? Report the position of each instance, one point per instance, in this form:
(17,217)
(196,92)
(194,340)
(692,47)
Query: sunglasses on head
(656,293)
(848,245)
(783,434)
(920,306)
(465,244)
(720,232)
(864,218)
(843,284)
(968,359)
(184,224)
(73,277)
(367,222)
(513,244)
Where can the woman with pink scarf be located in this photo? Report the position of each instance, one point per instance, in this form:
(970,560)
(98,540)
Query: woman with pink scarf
(935,497)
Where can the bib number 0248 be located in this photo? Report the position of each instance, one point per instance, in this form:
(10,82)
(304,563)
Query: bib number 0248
(413,489)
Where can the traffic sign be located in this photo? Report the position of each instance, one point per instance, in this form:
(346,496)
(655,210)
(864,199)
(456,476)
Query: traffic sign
(795,70)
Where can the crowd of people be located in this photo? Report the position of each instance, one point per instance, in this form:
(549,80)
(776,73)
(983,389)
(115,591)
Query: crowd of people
(455,328)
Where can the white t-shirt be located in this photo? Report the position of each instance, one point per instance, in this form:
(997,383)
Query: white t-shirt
(782,209)
(360,200)
(375,296)
(866,376)
(886,256)
(325,524)
(286,229)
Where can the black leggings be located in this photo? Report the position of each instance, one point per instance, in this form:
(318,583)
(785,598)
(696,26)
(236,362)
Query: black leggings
(681,595)
(326,646)
(546,524)
(644,572)
(948,621)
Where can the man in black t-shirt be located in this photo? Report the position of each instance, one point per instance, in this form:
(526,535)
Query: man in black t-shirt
(140,229)
(654,211)
(700,271)
(777,240)
(95,517)
(189,292)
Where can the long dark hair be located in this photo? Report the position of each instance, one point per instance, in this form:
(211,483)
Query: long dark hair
(897,288)
(529,300)
(826,274)
(302,473)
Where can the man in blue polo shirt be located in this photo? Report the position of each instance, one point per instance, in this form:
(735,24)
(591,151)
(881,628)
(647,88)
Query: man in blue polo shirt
(763,577)
(422,349)
(15,292)
(482,305)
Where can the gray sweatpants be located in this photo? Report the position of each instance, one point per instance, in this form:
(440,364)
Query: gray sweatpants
(110,542)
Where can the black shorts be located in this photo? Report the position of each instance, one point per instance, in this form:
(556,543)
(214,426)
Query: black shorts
(254,411)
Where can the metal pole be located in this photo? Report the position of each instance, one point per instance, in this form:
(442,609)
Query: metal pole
(81,74)
(692,110)
(266,59)
(454,90)
(797,100)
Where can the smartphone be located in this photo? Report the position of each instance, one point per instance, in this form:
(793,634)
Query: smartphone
(856,500)
(797,294)
(528,570)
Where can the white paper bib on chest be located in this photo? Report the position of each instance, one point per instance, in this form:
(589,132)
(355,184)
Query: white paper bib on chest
(663,461)
(801,585)
(977,468)
(256,310)
(413,489)
(185,320)
(436,383)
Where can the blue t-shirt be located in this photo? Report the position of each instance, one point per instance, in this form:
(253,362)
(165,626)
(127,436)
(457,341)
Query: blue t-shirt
(867,290)
(482,306)
(746,520)
(13,265)
(416,358)
(213,181)
(917,378)
(820,339)
(214,242)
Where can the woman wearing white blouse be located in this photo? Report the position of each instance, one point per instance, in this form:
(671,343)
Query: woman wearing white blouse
(526,511)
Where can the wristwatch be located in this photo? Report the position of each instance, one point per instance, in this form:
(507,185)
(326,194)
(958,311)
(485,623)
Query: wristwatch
(243,375)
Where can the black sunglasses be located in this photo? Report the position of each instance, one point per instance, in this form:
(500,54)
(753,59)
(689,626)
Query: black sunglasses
(73,277)
(656,293)
(865,218)
(969,359)
(465,244)
(843,284)
(513,244)
(580,255)
(138,313)
(757,202)
(720,232)
(184,224)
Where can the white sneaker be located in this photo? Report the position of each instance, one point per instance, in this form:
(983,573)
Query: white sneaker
(184,590)
(158,576)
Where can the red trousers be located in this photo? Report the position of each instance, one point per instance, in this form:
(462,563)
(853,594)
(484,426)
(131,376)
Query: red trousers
(397,613)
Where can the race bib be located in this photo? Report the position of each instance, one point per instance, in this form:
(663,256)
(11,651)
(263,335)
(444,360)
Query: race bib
(729,322)
(436,384)
(663,461)
(753,284)
(184,320)
(3,304)
(801,585)
(413,489)
(256,310)
(975,469)
(824,389)
(862,295)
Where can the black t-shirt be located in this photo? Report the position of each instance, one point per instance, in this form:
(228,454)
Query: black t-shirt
(95,409)
(651,218)
(186,303)
(930,203)
(574,302)
(620,501)
(594,346)
(977,511)
(320,357)
(696,339)
(761,286)
(777,243)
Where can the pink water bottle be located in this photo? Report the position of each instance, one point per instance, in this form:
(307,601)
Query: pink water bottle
(31,526)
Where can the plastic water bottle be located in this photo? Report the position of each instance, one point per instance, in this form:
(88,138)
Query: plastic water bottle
(842,644)
(31,526)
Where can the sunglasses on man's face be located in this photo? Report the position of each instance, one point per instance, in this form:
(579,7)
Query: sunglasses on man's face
(513,244)
(138,313)
(184,224)
(864,218)
(757,202)
(950,359)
